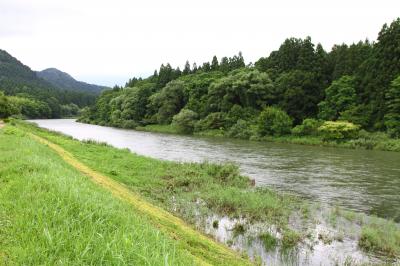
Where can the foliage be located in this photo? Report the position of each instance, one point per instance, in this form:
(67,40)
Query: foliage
(338,130)
(299,93)
(274,121)
(242,130)
(5,107)
(308,127)
(246,88)
(168,102)
(349,83)
(185,121)
(339,97)
(212,121)
(392,116)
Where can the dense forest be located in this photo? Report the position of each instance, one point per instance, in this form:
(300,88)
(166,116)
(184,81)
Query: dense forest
(23,93)
(296,89)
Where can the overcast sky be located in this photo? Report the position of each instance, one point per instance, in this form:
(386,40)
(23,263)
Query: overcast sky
(107,42)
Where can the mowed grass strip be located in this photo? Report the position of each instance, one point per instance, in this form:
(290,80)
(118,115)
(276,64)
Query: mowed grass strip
(51,214)
(202,247)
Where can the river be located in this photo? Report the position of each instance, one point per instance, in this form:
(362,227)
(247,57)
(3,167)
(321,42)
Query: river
(360,180)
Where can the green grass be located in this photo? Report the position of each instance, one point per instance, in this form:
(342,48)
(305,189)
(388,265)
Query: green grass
(268,240)
(290,238)
(170,129)
(179,187)
(52,215)
(381,237)
(221,187)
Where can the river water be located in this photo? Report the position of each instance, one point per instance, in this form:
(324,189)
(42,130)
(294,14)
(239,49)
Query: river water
(360,180)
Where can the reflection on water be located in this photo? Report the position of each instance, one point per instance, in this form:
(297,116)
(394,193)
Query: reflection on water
(367,181)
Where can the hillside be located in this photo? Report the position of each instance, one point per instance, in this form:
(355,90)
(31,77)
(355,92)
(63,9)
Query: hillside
(14,73)
(63,80)
(33,97)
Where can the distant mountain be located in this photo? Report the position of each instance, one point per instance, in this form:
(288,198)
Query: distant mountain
(15,74)
(18,79)
(64,81)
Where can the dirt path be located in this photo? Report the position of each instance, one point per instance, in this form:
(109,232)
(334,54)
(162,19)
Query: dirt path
(1,124)
(205,250)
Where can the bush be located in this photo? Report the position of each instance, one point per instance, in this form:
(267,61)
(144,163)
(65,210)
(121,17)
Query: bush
(308,127)
(338,130)
(212,121)
(5,107)
(237,113)
(274,121)
(129,124)
(242,130)
(185,121)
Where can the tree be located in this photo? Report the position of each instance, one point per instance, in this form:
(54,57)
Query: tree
(274,121)
(5,107)
(185,121)
(392,116)
(340,97)
(214,63)
(169,101)
(243,87)
(378,71)
(186,69)
(298,94)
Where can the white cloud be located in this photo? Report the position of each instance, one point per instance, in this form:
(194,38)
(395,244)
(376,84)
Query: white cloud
(110,41)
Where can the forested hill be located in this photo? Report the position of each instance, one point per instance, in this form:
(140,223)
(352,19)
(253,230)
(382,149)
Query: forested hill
(13,73)
(300,85)
(33,97)
(63,80)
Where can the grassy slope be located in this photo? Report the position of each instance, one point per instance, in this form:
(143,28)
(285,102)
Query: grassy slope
(176,187)
(52,214)
(222,187)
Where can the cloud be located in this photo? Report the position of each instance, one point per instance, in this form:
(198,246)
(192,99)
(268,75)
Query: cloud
(111,41)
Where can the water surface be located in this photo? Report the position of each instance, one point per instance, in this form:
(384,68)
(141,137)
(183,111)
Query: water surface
(361,180)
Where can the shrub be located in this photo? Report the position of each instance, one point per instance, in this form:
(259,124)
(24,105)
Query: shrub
(185,121)
(308,127)
(242,130)
(274,121)
(338,130)
(130,124)
(5,107)
(212,121)
(237,113)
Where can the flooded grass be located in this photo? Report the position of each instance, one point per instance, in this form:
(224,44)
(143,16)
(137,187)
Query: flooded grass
(268,240)
(224,204)
(381,237)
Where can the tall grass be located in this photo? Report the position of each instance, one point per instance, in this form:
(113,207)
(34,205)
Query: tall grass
(52,215)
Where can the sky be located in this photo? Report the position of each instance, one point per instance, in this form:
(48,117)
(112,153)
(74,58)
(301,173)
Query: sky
(108,42)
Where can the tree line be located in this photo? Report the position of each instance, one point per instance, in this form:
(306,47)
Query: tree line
(296,87)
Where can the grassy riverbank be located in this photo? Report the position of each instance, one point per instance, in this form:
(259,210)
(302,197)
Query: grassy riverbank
(53,214)
(368,141)
(188,189)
